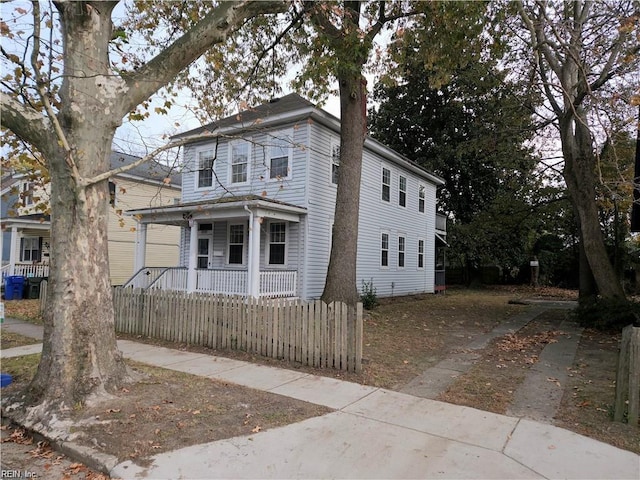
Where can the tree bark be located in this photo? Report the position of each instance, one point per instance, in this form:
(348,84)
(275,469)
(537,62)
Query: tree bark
(341,275)
(579,175)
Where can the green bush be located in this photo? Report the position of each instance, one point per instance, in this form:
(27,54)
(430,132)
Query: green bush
(368,295)
(608,314)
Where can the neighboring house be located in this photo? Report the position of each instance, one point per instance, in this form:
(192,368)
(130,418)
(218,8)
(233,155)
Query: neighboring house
(258,202)
(28,231)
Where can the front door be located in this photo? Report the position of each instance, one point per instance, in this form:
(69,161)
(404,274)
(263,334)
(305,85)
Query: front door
(205,245)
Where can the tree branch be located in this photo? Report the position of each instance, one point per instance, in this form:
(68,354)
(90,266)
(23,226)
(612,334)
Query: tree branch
(212,29)
(27,123)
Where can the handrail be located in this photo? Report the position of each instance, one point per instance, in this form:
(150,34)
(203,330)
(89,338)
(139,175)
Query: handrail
(130,281)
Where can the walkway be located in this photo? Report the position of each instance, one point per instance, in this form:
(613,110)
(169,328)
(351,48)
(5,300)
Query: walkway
(373,433)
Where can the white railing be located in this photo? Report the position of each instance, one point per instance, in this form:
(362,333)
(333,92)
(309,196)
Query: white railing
(27,270)
(227,282)
(278,284)
(174,278)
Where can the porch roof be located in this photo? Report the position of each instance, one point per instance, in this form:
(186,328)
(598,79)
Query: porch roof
(36,221)
(219,209)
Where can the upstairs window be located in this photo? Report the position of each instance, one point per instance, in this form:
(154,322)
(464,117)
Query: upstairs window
(27,194)
(421,198)
(335,163)
(401,250)
(386,185)
(239,162)
(205,169)
(277,243)
(236,244)
(402,191)
(279,158)
(112,193)
(384,250)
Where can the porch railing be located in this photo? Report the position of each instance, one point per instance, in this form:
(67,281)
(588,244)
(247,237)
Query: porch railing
(280,283)
(27,270)
(227,282)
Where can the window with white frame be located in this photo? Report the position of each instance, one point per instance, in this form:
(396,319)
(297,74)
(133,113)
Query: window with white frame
(277,243)
(335,163)
(384,250)
(30,251)
(27,194)
(401,251)
(421,198)
(420,253)
(240,162)
(386,184)
(205,168)
(236,244)
(402,191)
(280,157)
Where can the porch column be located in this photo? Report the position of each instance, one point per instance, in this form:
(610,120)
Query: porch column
(254,257)
(140,257)
(14,253)
(192,280)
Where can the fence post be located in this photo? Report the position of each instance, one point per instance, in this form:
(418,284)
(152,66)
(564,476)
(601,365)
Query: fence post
(628,377)
(43,295)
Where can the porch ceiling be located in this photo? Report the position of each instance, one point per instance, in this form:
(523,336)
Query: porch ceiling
(219,209)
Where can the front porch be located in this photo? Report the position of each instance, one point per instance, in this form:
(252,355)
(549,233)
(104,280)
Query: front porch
(29,245)
(277,283)
(247,246)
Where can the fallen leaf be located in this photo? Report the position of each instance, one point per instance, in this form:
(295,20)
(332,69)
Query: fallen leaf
(256,429)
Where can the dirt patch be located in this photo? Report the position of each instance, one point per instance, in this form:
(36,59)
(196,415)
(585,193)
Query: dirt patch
(28,310)
(10,339)
(168,410)
(587,404)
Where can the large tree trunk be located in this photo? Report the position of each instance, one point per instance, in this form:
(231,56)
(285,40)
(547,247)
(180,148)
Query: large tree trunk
(80,356)
(341,275)
(579,174)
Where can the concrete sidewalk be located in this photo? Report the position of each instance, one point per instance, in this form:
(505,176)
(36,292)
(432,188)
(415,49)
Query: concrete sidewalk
(374,433)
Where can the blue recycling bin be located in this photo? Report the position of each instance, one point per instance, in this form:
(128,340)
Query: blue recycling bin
(13,287)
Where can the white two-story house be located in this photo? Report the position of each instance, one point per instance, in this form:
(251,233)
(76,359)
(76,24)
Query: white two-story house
(258,202)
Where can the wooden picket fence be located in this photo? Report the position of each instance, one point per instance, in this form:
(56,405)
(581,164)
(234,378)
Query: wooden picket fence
(311,333)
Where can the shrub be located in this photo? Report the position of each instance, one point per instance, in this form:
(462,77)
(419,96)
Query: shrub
(608,314)
(368,295)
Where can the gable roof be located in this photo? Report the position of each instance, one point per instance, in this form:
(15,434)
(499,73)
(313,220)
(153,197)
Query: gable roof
(150,170)
(253,116)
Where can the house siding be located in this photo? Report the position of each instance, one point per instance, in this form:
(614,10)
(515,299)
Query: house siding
(163,241)
(378,216)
